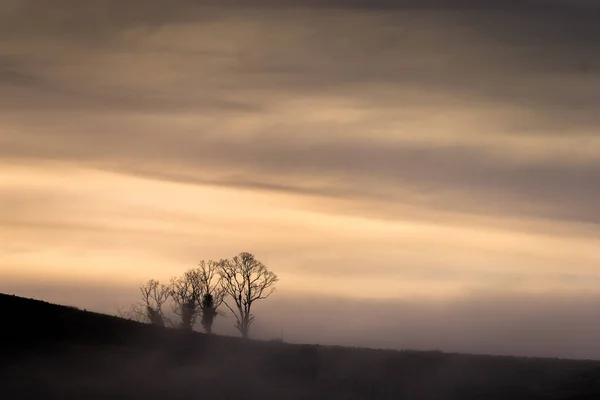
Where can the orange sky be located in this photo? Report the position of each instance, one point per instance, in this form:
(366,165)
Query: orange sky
(405,156)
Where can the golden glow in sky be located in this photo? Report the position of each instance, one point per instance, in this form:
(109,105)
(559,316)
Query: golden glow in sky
(400,163)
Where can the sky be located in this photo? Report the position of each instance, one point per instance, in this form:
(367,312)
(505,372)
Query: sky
(419,174)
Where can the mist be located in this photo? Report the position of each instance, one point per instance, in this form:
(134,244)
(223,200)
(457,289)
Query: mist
(500,323)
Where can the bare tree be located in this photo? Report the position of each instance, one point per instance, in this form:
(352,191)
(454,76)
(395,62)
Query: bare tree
(133,313)
(154,295)
(245,280)
(198,293)
(212,292)
(187,296)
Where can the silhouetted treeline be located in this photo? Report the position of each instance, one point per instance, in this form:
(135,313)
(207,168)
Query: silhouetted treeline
(197,295)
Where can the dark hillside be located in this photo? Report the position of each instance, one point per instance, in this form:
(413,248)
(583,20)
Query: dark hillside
(56,352)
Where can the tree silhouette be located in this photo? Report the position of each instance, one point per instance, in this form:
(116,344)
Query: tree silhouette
(212,292)
(209,312)
(150,309)
(155,317)
(197,293)
(154,296)
(245,280)
(186,293)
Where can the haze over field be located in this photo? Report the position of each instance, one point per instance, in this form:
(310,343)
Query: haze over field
(418,177)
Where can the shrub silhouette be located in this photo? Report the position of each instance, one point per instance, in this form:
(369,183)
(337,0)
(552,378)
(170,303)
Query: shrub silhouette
(209,312)
(155,317)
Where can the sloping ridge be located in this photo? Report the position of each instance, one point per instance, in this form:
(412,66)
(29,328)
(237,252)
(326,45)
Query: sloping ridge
(45,323)
(72,353)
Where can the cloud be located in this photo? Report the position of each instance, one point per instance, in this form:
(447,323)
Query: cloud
(508,56)
(467,178)
(103,226)
(407,148)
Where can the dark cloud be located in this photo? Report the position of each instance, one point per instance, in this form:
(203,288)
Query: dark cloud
(68,99)
(462,178)
(466,179)
(543,61)
(12,74)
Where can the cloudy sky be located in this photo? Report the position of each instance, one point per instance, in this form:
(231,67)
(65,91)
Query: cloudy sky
(426,173)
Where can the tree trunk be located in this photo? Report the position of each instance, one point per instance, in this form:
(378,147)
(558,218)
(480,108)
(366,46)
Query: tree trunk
(245,332)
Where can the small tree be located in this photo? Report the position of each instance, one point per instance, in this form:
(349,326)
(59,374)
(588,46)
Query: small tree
(187,295)
(245,280)
(134,313)
(150,308)
(155,317)
(209,312)
(212,292)
(198,293)
(154,296)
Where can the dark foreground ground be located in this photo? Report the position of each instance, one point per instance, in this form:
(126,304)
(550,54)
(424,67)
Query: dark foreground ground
(54,352)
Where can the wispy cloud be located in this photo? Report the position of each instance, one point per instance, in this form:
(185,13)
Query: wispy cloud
(339,141)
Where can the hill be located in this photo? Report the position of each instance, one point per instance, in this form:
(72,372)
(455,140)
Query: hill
(57,352)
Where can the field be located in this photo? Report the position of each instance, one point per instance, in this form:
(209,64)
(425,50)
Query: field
(57,352)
